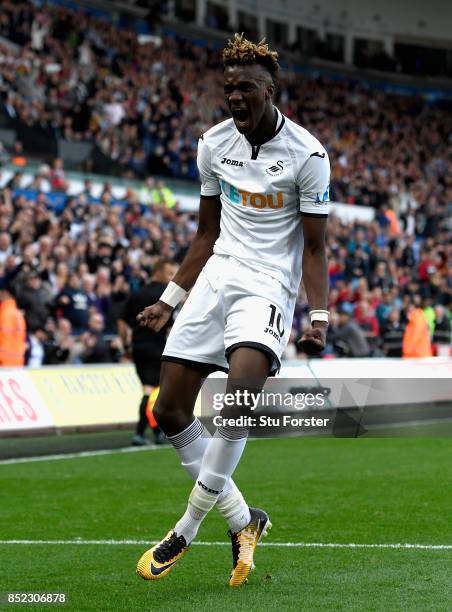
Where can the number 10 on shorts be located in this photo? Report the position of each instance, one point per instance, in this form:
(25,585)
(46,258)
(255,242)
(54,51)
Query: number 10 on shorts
(275,319)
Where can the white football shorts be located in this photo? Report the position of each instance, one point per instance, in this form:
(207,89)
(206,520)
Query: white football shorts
(230,306)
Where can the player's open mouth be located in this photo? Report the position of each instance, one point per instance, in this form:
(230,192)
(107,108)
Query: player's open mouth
(240,116)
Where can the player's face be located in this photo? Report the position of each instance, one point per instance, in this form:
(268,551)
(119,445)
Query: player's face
(248,90)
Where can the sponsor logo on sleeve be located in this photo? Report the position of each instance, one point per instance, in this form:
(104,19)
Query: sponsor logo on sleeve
(322,198)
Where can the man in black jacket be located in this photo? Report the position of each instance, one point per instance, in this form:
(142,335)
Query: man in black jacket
(146,345)
(348,337)
(95,346)
(392,334)
(441,334)
(34,299)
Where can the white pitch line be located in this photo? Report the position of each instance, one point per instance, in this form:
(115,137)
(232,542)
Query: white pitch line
(266,544)
(96,453)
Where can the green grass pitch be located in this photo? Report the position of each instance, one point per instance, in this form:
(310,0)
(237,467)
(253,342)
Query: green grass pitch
(368,491)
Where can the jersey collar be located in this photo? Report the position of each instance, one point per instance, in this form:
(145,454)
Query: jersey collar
(279,122)
(254,149)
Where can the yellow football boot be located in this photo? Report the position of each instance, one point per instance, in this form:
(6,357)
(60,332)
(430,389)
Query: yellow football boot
(244,543)
(159,560)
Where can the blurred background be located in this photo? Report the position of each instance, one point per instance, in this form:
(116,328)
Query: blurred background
(101,107)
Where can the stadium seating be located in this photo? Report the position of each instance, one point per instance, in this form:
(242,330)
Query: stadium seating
(136,110)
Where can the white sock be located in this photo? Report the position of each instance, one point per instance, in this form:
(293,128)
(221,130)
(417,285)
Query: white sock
(218,464)
(234,508)
(191,445)
(220,460)
(199,504)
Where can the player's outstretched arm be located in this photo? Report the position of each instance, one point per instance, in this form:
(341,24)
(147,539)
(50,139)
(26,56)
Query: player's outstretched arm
(315,278)
(157,315)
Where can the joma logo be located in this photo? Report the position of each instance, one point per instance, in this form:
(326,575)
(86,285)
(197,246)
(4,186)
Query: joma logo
(232,162)
(208,489)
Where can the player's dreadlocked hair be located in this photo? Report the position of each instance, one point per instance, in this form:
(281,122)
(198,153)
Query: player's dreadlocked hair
(239,50)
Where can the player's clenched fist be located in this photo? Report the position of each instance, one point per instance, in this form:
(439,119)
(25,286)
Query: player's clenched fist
(313,340)
(155,316)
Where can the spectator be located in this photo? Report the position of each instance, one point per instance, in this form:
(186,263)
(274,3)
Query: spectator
(357,264)
(6,248)
(381,277)
(73,303)
(441,334)
(41,181)
(163,196)
(34,300)
(367,321)
(18,157)
(348,337)
(384,308)
(392,334)
(94,347)
(89,288)
(57,177)
(35,352)
(16,181)
(146,192)
(60,344)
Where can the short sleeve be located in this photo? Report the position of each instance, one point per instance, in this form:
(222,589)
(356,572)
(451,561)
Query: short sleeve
(210,185)
(314,184)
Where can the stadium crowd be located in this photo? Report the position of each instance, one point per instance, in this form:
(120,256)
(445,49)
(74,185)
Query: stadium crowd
(69,268)
(145,105)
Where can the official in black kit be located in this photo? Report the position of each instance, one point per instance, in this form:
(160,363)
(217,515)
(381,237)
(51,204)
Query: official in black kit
(146,346)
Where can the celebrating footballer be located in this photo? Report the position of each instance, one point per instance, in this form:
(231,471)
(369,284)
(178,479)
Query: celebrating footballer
(262,222)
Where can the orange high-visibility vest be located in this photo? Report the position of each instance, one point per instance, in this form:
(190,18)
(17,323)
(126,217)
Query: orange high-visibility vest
(393,222)
(416,339)
(12,334)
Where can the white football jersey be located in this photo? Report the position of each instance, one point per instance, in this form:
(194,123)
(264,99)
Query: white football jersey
(265,191)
